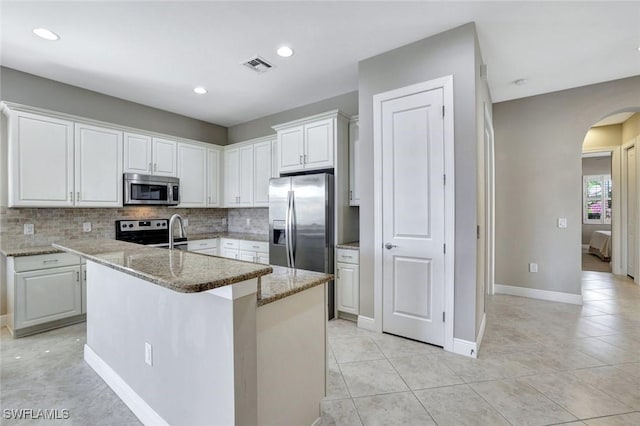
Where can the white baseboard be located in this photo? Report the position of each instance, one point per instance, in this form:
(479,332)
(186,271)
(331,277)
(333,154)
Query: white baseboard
(3,321)
(483,324)
(465,348)
(136,404)
(367,323)
(534,293)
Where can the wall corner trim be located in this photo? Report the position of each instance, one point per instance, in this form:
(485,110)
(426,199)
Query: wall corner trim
(465,348)
(136,404)
(367,323)
(483,324)
(534,293)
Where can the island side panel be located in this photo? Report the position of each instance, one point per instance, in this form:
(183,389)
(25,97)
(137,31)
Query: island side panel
(194,376)
(292,358)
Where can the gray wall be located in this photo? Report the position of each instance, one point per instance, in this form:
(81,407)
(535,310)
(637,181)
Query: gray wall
(538,168)
(448,53)
(347,103)
(595,166)
(40,92)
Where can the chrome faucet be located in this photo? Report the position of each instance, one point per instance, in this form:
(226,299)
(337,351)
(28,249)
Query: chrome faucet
(182,233)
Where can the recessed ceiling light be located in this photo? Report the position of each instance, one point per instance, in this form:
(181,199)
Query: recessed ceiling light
(285,51)
(520,82)
(200,90)
(46,34)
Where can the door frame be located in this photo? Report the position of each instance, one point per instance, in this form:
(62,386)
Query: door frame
(618,264)
(446,84)
(622,228)
(490,202)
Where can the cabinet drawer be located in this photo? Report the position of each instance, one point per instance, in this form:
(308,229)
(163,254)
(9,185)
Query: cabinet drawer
(45,261)
(254,246)
(347,256)
(202,244)
(228,244)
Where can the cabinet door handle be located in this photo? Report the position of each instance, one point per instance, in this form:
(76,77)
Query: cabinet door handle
(84,275)
(50,261)
(150,167)
(351,195)
(78,276)
(305,159)
(71,196)
(209,198)
(78,199)
(301,161)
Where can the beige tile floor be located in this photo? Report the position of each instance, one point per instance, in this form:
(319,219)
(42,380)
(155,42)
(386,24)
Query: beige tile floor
(540,363)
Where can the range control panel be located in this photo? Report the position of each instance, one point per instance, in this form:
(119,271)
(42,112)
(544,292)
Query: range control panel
(142,225)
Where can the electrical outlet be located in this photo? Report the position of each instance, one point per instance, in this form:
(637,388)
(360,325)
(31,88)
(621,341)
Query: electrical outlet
(185,222)
(533,267)
(86,227)
(148,353)
(248,221)
(562,222)
(28,229)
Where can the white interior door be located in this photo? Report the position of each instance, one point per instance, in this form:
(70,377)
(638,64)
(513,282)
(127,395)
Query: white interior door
(413,216)
(632,211)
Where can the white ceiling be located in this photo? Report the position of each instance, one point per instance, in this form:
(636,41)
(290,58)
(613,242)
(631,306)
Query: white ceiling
(154,53)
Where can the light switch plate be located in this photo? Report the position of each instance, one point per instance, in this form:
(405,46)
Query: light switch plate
(86,227)
(28,229)
(562,222)
(533,267)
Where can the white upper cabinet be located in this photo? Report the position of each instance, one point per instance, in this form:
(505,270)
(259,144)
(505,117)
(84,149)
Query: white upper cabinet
(148,155)
(137,154)
(238,177)
(262,160)
(308,144)
(213,177)
(354,162)
(274,158)
(318,144)
(291,149)
(40,161)
(192,171)
(98,166)
(164,157)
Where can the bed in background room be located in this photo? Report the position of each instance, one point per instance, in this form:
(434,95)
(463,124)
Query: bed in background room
(600,244)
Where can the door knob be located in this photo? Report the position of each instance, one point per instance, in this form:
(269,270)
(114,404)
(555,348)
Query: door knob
(389,246)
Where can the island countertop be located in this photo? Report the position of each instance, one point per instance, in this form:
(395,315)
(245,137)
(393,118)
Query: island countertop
(177,270)
(284,282)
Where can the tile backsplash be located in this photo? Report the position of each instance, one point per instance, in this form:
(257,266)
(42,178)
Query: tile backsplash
(250,221)
(53,224)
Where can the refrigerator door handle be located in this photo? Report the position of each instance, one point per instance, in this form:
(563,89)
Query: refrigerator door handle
(293,229)
(287,229)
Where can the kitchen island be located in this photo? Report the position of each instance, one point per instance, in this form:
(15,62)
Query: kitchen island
(185,338)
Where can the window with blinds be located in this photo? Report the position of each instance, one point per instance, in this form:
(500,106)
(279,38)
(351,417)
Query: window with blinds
(596,199)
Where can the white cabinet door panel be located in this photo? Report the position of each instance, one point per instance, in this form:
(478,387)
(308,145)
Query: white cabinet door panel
(245,190)
(248,256)
(192,171)
(164,157)
(354,163)
(137,154)
(261,173)
(229,253)
(47,295)
(231,177)
(291,149)
(348,287)
(263,258)
(318,144)
(40,161)
(213,177)
(98,166)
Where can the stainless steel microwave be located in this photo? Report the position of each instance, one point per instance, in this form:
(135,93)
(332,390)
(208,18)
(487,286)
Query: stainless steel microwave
(152,190)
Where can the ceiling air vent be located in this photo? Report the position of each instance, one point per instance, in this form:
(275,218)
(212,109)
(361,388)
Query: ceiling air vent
(258,64)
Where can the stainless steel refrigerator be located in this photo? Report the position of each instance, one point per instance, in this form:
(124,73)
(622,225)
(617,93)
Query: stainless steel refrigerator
(301,224)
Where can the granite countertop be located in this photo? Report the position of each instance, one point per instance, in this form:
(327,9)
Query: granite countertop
(177,270)
(353,246)
(17,250)
(284,282)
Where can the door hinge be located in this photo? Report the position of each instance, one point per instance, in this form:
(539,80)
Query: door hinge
(444,248)
(443,315)
(442,111)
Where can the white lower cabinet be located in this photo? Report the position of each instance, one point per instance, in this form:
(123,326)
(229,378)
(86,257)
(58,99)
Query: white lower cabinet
(347,281)
(209,247)
(250,251)
(229,253)
(43,291)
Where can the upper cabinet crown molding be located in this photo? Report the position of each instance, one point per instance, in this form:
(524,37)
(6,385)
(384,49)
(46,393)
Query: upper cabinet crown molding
(336,113)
